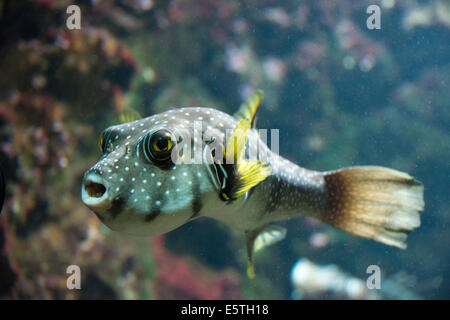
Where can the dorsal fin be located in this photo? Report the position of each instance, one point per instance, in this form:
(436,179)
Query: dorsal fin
(249,108)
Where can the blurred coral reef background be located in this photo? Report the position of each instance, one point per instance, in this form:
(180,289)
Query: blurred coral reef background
(339,93)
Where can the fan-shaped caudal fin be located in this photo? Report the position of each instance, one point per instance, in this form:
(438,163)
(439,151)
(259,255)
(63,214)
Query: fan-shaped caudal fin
(374,202)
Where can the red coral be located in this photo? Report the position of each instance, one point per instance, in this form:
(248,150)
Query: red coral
(178,278)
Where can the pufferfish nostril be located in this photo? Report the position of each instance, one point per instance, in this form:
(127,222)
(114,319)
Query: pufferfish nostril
(94,189)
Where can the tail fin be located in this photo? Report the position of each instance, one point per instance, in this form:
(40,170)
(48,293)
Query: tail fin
(374,202)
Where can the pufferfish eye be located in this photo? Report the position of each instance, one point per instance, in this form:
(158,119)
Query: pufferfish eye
(104,141)
(157,146)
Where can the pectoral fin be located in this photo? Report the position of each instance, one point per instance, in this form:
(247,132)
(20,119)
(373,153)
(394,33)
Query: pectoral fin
(247,173)
(233,175)
(258,239)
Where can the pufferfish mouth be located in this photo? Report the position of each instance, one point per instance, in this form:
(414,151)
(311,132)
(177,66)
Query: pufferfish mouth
(94,191)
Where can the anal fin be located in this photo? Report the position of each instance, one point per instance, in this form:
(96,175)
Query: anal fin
(261,238)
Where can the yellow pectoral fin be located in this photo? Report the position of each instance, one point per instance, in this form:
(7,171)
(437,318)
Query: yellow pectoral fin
(250,173)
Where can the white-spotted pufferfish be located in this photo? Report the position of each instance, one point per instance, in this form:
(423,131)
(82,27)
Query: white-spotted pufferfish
(160,172)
